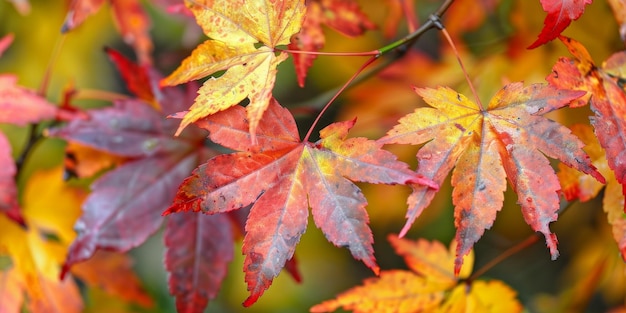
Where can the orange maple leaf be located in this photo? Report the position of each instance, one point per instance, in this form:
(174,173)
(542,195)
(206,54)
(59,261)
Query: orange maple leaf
(603,90)
(35,257)
(582,187)
(430,286)
(37,253)
(488,144)
(235,29)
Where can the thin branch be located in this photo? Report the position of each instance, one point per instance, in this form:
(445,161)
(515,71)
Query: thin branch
(33,136)
(54,57)
(94,94)
(532,239)
(391,52)
(529,241)
(458,58)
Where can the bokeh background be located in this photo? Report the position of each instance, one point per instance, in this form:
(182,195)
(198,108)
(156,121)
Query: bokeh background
(491,35)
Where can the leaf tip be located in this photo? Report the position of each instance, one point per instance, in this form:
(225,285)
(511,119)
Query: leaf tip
(250,300)
(64,270)
(376,270)
(424,181)
(551,242)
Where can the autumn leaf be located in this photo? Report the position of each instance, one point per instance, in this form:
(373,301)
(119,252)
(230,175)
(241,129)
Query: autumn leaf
(36,253)
(483,296)
(281,177)
(137,78)
(507,138)
(199,248)
(602,87)
(235,28)
(582,187)
(8,189)
(343,16)
(113,273)
(430,286)
(125,204)
(5,42)
(560,14)
(62,296)
(123,207)
(11,295)
(83,161)
(130,18)
(21,106)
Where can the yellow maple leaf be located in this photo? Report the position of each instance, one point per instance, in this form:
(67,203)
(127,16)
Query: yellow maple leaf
(235,29)
(50,208)
(431,286)
(482,297)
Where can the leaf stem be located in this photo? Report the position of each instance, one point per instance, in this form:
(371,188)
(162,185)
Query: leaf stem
(529,241)
(458,57)
(412,37)
(354,76)
(353,54)
(94,94)
(34,136)
(399,47)
(54,57)
(532,239)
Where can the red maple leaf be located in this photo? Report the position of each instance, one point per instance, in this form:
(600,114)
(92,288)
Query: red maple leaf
(125,205)
(199,248)
(343,16)
(8,188)
(560,14)
(603,87)
(281,178)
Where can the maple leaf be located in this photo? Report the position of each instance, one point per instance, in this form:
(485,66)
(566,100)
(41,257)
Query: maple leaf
(11,295)
(21,106)
(343,16)
(123,208)
(560,14)
(141,187)
(281,177)
(235,28)
(602,87)
(582,187)
(487,145)
(130,18)
(35,257)
(199,248)
(113,273)
(430,286)
(8,189)
(138,78)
